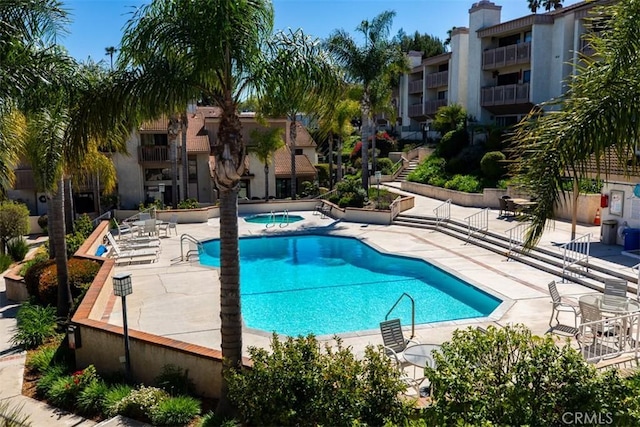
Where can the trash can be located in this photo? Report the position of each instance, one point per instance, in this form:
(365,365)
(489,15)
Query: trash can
(631,239)
(608,232)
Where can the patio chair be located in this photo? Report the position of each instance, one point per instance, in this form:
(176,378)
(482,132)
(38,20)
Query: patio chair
(131,255)
(125,229)
(503,206)
(560,305)
(395,342)
(512,207)
(595,326)
(168,226)
(149,228)
(143,216)
(617,287)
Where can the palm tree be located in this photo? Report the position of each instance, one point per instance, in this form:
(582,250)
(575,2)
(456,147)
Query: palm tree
(178,51)
(110,51)
(300,78)
(266,143)
(548,4)
(534,5)
(367,64)
(598,113)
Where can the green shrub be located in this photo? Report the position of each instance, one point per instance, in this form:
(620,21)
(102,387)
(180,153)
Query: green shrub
(14,222)
(13,416)
(139,403)
(188,204)
(174,411)
(83,226)
(43,222)
(34,325)
(49,376)
(91,399)
(309,386)
(213,420)
(385,166)
(64,391)
(323,173)
(586,186)
(492,164)
(175,381)
(74,241)
(466,183)
(506,376)
(452,144)
(17,248)
(5,262)
(40,359)
(41,255)
(430,169)
(113,396)
(42,280)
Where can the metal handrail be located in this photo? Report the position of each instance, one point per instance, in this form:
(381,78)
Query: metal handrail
(326,195)
(106,215)
(576,252)
(516,237)
(597,345)
(189,238)
(413,312)
(394,207)
(272,219)
(477,222)
(443,212)
(285,219)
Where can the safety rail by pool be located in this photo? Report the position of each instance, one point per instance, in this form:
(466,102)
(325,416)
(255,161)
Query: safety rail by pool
(413,312)
(477,223)
(516,238)
(443,212)
(576,253)
(189,239)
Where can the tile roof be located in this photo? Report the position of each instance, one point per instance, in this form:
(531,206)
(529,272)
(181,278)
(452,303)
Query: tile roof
(303,137)
(282,160)
(610,162)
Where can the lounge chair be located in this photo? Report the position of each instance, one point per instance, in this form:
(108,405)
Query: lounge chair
(130,256)
(125,229)
(561,304)
(395,342)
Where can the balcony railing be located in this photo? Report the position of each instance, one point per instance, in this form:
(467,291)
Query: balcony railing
(24,180)
(438,79)
(431,107)
(505,95)
(415,110)
(416,86)
(153,153)
(586,48)
(507,55)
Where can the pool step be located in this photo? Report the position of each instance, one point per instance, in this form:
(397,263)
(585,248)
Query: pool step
(540,258)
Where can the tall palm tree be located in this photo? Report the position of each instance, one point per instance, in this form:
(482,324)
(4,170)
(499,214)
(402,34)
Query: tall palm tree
(265,144)
(300,78)
(367,64)
(598,113)
(177,51)
(110,51)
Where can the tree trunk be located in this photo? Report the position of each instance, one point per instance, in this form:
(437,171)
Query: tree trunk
(374,137)
(266,181)
(366,125)
(330,161)
(292,137)
(339,161)
(229,157)
(52,242)
(184,124)
(57,226)
(172,134)
(69,211)
(574,208)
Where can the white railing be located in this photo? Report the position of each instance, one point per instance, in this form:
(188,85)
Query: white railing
(136,217)
(190,251)
(106,215)
(443,212)
(609,337)
(637,267)
(576,253)
(517,237)
(326,195)
(477,223)
(395,207)
(272,220)
(285,219)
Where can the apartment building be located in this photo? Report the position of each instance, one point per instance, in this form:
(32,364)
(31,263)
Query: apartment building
(497,70)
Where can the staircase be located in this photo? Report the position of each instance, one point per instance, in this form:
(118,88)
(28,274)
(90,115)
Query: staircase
(402,176)
(591,275)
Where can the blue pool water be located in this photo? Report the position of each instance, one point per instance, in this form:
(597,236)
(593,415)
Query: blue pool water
(297,285)
(269,219)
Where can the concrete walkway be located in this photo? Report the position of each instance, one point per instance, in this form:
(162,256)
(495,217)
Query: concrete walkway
(181,300)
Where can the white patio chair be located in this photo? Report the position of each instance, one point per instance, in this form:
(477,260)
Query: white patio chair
(560,305)
(171,225)
(395,342)
(150,228)
(131,255)
(617,287)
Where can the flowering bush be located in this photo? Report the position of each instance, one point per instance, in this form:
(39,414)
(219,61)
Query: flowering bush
(140,403)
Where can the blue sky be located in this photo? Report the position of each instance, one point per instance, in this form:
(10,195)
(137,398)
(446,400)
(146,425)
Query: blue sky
(99,23)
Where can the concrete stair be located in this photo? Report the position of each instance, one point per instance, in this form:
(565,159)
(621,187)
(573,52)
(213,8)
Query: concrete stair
(591,275)
(402,176)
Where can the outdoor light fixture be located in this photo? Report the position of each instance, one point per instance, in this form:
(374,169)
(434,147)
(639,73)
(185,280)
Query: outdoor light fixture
(121,288)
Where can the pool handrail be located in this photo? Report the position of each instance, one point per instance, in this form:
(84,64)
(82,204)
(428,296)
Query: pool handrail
(285,218)
(413,312)
(189,238)
(272,218)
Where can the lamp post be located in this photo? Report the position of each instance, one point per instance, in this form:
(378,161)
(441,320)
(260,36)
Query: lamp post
(121,288)
(378,176)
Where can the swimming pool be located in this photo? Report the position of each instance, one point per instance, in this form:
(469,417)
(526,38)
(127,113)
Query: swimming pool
(278,218)
(326,285)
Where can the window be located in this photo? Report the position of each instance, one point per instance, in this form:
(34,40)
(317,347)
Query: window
(157,139)
(526,76)
(527,36)
(442,94)
(508,79)
(193,171)
(283,188)
(158,174)
(506,121)
(443,67)
(243,191)
(299,151)
(509,40)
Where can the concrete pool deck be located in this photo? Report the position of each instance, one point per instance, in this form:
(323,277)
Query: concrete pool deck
(180,300)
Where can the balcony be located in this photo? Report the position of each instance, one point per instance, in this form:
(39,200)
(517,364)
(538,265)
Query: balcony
(416,86)
(586,49)
(505,95)
(507,55)
(24,180)
(415,110)
(438,79)
(432,106)
(155,154)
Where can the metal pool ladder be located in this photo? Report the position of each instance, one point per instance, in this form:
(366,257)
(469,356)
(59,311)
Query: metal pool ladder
(413,312)
(285,218)
(189,239)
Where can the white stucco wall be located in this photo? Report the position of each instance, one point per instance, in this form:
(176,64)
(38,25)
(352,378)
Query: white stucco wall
(130,175)
(541,60)
(458,69)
